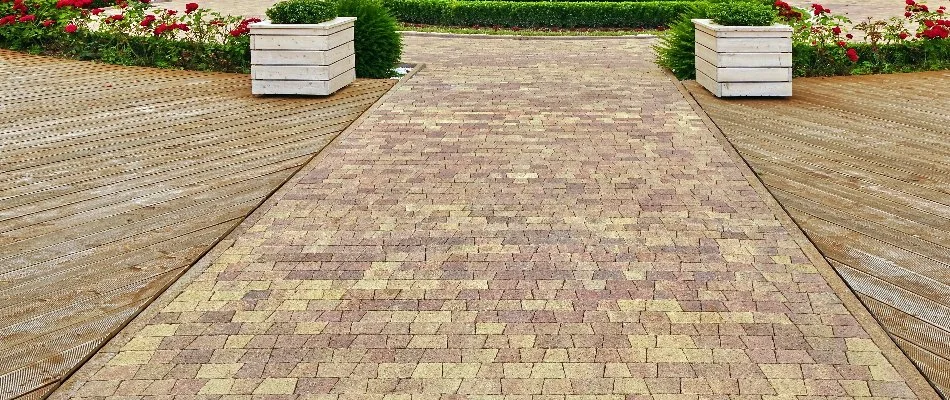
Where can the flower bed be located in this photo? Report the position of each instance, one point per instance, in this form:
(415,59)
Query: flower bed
(539,14)
(823,44)
(135,34)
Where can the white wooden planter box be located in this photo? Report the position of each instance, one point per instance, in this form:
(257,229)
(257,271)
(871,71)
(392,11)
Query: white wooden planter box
(744,60)
(310,59)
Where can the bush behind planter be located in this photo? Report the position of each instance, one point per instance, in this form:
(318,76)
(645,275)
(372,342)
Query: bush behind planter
(645,14)
(378,44)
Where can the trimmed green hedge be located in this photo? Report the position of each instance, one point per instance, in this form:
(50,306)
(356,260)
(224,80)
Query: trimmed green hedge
(547,14)
(576,1)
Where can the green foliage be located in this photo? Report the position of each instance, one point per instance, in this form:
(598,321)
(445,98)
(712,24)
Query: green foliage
(743,13)
(302,12)
(910,56)
(676,47)
(538,14)
(102,3)
(195,40)
(378,44)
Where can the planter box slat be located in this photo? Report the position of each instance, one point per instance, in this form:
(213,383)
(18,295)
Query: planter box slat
(744,45)
(720,74)
(304,72)
(745,31)
(301,57)
(300,42)
(739,60)
(324,29)
(740,89)
(313,59)
(744,60)
(318,88)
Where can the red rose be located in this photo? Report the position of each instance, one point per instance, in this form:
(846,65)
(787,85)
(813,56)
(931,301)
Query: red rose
(910,2)
(71,28)
(849,36)
(903,35)
(48,23)
(908,14)
(836,30)
(28,18)
(190,8)
(852,55)
(842,44)
(96,11)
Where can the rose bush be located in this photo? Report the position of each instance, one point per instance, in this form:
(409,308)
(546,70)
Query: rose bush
(132,33)
(824,44)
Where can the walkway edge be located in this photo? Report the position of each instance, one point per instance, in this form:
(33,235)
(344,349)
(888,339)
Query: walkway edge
(135,323)
(914,378)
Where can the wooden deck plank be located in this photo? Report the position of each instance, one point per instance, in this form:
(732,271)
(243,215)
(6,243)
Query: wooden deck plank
(114,180)
(862,164)
(145,172)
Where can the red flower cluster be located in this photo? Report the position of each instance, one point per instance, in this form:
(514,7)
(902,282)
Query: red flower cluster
(786,11)
(852,55)
(19,7)
(190,8)
(818,9)
(71,28)
(147,21)
(114,18)
(939,29)
(73,3)
(243,28)
(165,28)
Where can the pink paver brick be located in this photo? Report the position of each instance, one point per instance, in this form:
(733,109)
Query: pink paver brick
(521,219)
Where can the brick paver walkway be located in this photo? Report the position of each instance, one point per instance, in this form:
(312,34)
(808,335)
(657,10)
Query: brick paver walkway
(521,218)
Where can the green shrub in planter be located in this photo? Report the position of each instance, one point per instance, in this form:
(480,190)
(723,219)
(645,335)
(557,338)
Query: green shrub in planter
(378,45)
(302,12)
(743,13)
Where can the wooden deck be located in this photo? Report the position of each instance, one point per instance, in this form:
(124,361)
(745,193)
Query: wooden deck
(114,180)
(862,164)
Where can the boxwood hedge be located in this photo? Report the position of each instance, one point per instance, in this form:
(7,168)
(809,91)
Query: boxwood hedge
(538,14)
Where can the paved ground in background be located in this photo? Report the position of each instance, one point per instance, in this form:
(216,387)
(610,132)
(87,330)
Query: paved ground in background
(522,218)
(861,163)
(113,180)
(247,8)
